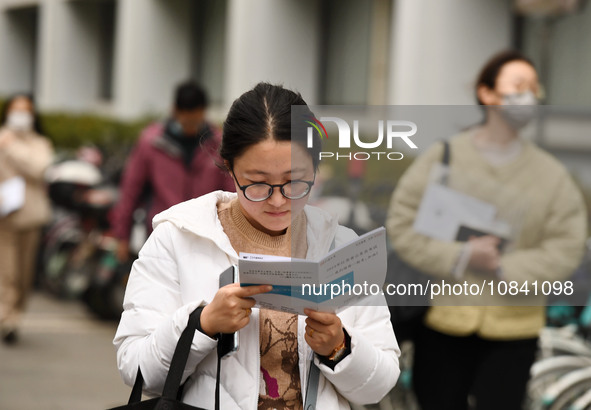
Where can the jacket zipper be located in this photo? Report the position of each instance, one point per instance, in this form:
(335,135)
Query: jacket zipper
(303,358)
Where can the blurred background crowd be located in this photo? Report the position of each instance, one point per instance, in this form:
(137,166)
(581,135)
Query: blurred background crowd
(100,71)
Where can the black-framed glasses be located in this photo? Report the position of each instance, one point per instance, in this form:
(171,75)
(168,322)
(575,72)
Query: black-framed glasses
(260,191)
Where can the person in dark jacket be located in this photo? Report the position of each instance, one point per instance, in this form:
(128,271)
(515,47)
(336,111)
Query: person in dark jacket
(173,161)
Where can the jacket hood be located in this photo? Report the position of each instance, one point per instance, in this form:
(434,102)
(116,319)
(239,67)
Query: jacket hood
(199,216)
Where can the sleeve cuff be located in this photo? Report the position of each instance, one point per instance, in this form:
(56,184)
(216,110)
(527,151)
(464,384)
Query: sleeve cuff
(499,273)
(459,269)
(354,370)
(332,363)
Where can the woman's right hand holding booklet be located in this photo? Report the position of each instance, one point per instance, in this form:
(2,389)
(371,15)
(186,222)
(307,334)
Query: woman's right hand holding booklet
(230,309)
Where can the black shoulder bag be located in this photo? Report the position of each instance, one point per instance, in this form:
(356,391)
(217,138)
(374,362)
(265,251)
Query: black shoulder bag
(171,395)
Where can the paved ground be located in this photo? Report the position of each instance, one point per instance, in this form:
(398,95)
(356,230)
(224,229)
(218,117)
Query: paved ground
(64,360)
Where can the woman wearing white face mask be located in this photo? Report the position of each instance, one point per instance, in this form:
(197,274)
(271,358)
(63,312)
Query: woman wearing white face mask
(488,350)
(24,206)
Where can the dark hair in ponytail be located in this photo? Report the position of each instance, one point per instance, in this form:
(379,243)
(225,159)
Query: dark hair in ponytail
(262,113)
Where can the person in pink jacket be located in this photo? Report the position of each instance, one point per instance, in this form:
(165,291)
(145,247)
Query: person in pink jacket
(173,161)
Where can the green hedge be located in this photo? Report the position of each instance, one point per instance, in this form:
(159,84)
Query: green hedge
(69,131)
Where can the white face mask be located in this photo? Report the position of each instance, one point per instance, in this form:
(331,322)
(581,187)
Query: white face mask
(20,121)
(519,109)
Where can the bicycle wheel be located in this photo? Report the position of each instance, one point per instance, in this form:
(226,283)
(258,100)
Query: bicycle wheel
(582,403)
(546,372)
(104,295)
(56,267)
(563,341)
(567,389)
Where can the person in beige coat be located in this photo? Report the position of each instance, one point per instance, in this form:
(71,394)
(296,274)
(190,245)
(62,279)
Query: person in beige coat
(485,351)
(24,156)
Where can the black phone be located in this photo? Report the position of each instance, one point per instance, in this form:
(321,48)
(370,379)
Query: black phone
(228,342)
(465,232)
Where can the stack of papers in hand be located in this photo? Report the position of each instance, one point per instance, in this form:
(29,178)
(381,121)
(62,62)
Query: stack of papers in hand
(12,195)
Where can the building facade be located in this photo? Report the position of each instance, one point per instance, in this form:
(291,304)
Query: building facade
(123,57)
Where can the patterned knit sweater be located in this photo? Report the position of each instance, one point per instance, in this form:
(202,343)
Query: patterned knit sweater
(279,372)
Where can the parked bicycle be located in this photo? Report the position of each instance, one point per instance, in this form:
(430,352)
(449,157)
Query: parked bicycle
(77,257)
(561,377)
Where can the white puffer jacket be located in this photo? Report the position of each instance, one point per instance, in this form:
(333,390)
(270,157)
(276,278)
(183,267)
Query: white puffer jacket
(177,271)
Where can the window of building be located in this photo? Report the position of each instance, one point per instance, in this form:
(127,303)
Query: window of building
(560,46)
(88,46)
(208,46)
(561,49)
(345,52)
(354,51)
(106,15)
(21,43)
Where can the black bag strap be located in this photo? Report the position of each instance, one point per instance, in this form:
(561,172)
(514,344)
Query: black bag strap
(217,379)
(446,154)
(172,385)
(180,356)
(445,160)
(136,392)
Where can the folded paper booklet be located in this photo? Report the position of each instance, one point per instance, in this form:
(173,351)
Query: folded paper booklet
(348,275)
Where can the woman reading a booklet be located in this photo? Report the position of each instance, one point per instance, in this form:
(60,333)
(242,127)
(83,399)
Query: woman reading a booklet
(193,242)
